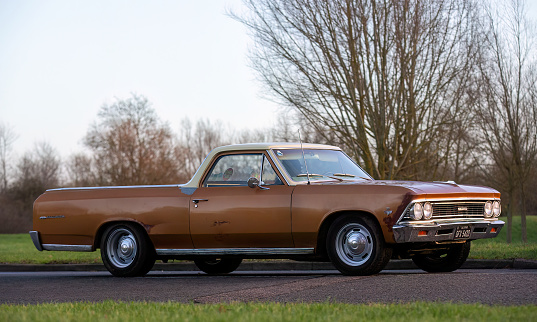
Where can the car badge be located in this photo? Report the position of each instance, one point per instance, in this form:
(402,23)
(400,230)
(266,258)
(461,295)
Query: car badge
(462,208)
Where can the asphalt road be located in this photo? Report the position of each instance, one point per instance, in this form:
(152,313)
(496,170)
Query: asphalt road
(497,286)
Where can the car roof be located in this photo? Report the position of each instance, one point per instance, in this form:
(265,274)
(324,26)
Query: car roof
(272,145)
(252,147)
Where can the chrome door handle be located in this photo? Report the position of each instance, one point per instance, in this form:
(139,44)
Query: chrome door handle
(196,201)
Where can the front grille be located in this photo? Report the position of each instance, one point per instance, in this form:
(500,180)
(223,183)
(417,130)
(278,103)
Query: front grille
(454,209)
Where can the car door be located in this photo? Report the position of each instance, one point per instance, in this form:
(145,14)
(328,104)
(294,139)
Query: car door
(226,213)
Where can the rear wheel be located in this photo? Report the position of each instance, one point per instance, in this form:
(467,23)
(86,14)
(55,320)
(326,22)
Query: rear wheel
(356,247)
(218,265)
(443,261)
(126,250)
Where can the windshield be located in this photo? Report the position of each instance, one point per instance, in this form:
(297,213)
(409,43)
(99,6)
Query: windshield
(322,165)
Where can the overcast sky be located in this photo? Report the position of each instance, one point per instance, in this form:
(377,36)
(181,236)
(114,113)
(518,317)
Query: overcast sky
(60,60)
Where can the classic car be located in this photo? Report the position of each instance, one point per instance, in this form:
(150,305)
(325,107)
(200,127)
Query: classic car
(271,200)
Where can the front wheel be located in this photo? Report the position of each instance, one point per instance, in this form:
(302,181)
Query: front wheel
(126,250)
(356,247)
(218,265)
(443,261)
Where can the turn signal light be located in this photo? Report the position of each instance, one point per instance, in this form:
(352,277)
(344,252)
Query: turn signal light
(424,233)
(493,230)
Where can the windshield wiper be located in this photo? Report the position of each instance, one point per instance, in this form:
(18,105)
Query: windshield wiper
(318,175)
(344,175)
(350,176)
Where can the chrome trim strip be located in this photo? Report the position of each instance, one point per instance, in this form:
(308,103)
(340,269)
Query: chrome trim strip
(35,238)
(454,199)
(68,248)
(447,221)
(118,187)
(441,221)
(280,168)
(236,251)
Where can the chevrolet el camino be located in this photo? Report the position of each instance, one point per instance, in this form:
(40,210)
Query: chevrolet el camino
(280,200)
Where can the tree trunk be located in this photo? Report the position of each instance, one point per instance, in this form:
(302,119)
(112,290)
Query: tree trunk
(523,215)
(509,219)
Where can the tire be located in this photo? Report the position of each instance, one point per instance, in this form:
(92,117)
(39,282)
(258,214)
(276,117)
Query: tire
(445,261)
(355,246)
(218,265)
(126,250)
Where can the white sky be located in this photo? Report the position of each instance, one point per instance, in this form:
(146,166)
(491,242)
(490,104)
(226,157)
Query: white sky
(60,60)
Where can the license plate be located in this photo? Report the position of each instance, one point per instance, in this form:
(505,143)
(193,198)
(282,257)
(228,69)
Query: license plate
(462,232)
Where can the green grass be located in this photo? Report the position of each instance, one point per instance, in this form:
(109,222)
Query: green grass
(497,248)
(18,248)
(152,311)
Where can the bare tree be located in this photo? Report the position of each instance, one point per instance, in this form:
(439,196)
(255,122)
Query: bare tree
(37,171)
(292,121)
(253,135)
(387,77)
(199,139)
(80,170)
(7,138)
(130,145)
(507,104)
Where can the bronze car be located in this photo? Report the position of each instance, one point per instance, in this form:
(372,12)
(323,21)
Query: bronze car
(280,200)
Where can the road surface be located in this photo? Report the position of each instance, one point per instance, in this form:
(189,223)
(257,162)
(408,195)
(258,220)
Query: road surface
(495,286)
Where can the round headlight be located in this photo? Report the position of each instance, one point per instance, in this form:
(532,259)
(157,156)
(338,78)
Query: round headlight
(496,208)
(488,209)
(427,211)
(416,212)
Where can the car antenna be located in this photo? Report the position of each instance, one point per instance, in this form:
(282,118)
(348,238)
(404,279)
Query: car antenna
(303,157)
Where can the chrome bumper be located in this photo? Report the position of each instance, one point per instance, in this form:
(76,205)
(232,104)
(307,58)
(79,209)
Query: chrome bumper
(58,247)
(411,232)
(35,238)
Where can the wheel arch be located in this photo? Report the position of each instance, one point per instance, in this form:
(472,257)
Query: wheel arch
(327,222)
(105,225)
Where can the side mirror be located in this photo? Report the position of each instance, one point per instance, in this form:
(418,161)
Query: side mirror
(253,182)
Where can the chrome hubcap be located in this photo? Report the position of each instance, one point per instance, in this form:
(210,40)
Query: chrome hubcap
(126,246)
(121,247)
(354,244)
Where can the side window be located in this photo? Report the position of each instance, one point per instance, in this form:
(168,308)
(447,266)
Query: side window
(269,176)
(234,170)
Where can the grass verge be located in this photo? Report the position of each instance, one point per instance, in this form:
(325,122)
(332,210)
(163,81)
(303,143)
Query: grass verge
(19,249)
(498,248)
(152,311)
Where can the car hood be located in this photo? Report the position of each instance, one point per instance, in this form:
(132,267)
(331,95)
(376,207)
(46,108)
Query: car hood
(439,187)
(432,189)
